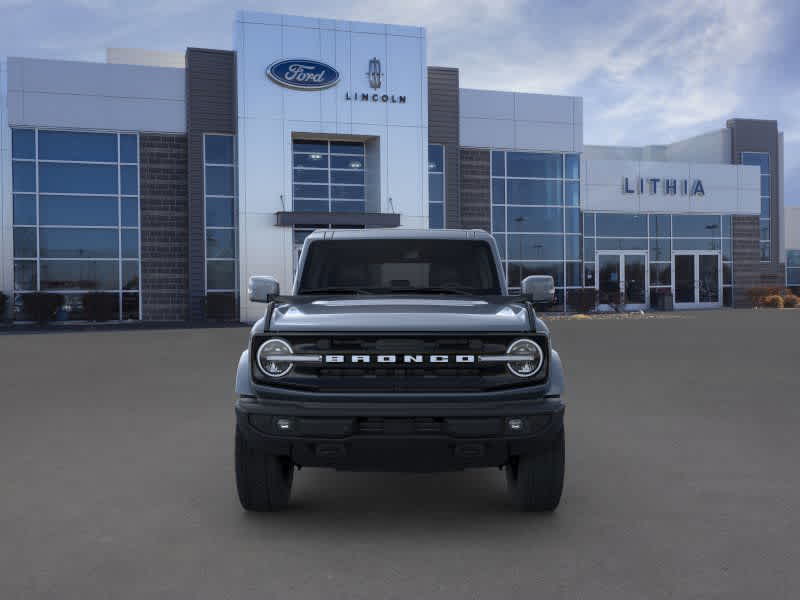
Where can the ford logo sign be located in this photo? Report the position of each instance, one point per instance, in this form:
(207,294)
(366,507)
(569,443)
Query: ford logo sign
(303,74)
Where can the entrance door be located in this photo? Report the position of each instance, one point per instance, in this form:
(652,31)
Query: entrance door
(697,279)
(622,280)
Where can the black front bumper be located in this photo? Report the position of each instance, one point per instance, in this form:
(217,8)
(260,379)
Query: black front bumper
(392,436)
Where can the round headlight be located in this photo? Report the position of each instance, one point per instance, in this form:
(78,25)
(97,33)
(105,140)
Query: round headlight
(532,361)
(266,361)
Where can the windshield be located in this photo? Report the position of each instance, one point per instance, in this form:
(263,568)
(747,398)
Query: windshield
(399,266)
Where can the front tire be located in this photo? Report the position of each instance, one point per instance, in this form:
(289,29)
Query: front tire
(263,481)
(535,480)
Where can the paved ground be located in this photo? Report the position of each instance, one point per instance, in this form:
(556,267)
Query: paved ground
(682,481)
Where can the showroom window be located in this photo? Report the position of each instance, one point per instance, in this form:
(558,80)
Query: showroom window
(536,217)
(793,268)
(76,221)
(761,160)
(219,152)
(436,186)
(328,176)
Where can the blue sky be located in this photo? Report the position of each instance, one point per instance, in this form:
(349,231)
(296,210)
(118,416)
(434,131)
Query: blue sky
(649,72)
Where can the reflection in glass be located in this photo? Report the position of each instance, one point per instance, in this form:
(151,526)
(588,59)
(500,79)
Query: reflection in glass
(25,242)
(684,278)
(536,219)
(532,164)
(532,191)
(621,225)
(535,247)
(56,242)
(23,143)
(219,149)
(80,275)
(67,178)
(24,209)
(77,210)
(221,275)
(220,243)
(77,146)
(130,275)
(25,275)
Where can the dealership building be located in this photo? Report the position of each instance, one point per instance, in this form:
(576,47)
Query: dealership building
(166,180)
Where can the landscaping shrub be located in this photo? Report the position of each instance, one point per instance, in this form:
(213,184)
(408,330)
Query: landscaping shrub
(41,306)
(773,301)
(790,301)
(99,306)
(758,295)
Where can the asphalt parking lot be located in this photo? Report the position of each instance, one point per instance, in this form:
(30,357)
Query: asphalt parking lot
(683,444)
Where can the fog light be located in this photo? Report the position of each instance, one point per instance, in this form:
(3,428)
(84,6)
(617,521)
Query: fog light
(516,424)
(283,424)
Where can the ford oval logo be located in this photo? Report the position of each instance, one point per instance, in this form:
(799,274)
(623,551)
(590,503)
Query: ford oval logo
(303,74)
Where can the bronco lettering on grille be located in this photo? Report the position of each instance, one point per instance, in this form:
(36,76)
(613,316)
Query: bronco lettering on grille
(399,358)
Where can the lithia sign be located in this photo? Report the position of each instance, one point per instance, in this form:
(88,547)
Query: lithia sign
(669,187)
(307,74)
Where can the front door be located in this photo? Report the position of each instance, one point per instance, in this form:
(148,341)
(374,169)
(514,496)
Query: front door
(697,279)
(622,280)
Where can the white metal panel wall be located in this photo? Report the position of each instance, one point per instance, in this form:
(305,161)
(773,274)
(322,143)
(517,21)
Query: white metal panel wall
(6,205)
(791,227)
(83,95)
(491,119)
(269,115)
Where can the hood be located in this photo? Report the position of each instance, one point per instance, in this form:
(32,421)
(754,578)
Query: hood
(400,314)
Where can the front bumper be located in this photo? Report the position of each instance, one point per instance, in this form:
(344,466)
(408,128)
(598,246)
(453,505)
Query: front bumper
(392,436)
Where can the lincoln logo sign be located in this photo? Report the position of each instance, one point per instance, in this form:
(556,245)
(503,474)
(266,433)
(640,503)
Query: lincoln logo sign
(667,186)
(302,74)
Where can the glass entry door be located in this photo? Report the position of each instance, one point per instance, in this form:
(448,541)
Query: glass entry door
(622,280)
(697,279)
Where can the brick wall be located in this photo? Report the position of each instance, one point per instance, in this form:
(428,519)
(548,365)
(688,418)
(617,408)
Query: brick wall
(475,199)
(746,254)
(165,227)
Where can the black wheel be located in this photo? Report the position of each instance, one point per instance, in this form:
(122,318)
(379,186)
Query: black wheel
(535,480)
(263,481)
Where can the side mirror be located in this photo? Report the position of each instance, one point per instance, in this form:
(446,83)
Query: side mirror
(539,289)
(262,288)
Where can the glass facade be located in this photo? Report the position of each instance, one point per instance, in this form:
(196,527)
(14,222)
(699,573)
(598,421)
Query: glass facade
(328,176)
(793,268)
(436,186)
(219,157)
(76,219)
(761,160)
(536,217)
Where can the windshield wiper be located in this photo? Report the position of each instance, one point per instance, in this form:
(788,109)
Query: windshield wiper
(337,289)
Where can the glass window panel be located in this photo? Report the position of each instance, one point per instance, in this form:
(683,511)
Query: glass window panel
(23,143)
(221,275)
(24,209)
(343,162)
(572,220)
(78,146)
(498,191)
(130,212)
(219,212)
(588,274)
(765,208)
(532,164)
(300,235)
(220,243)
(347,192)
(77,210)
(763,229)
(572,245)
(588,249)
(660,249)
(517,271)
(310,191)
(25,275)
(727,297)
(498,218)
(128,148)
(727,273)
(129,183)
(535,219)
(23,176)
(436,215)
(695,244)
(130,274)
(347,148)
(77,179)
(660,274)
(621,243)
(766,251)
(522,191)
(793,258)
(660,226)
(572,191)
(588,224)
(130,307)
(348,206)
(498,163)
(759,159)
(358,177)
(79,275)
(310,146)
(315,160)
(696,225)
(436,187)
(312,175)
(219,181)
(535,247)
(727,249)
(130,243)
(573,274)
(765,185)
(311,205)
(435,158)
(623,225)
(573,166)
(219,149)
(56,242)
(501,244)
(727,226)
(793,277)
(25,242)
